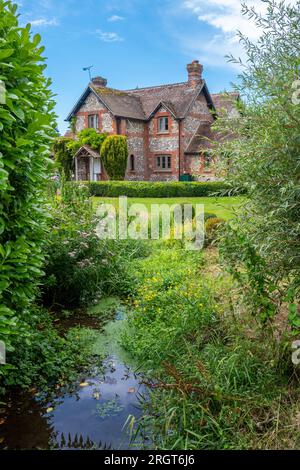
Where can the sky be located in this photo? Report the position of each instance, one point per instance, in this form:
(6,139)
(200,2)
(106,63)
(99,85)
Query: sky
(135,42)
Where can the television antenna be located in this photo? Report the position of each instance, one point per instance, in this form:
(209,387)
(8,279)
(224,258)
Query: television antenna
(85,69)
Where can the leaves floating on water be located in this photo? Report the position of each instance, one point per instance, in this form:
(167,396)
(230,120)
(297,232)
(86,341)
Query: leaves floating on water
(131,390)
(49,410)
(109,408)
(84,384)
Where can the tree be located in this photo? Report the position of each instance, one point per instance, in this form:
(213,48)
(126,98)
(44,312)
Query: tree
(262,246)
(26,129)
(114,154)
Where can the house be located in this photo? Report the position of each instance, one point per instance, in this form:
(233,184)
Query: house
(168,127)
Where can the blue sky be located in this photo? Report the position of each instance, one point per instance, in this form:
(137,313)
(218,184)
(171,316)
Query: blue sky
(134,42)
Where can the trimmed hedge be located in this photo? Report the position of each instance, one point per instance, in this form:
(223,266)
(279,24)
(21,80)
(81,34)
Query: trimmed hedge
(157,189)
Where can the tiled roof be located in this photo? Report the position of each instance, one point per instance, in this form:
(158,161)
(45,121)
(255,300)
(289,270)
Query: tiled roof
(178,96)
(86,150)
(225,101)
(201,139)
(121,103)
(140,103)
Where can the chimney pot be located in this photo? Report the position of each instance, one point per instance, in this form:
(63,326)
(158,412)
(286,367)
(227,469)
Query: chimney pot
(195,70)
(99,82)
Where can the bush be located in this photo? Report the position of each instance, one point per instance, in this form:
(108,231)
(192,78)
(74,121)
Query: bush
(114,154)
(63,156)
(80,268)
(212,226)
(157,189)
(26,129)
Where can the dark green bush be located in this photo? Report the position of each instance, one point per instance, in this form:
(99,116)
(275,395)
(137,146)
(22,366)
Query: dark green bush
(157,189)
(114,154)
(26,128)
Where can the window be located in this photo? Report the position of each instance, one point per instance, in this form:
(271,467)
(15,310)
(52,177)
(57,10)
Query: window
(131,163)
(163,124)
(207,162)
(93,121)
(163,162)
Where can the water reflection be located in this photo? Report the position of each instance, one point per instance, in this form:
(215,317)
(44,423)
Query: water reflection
(90,417)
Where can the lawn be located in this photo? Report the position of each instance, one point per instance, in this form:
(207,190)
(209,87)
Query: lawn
(223,207)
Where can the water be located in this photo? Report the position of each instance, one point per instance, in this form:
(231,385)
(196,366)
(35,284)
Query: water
(91,416)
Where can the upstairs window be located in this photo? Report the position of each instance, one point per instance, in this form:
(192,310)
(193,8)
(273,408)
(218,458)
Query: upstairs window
(163,124)
(93,121)
(163,162)
(131,163)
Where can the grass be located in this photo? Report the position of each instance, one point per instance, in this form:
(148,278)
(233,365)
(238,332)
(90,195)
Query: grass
(220,381)
(223,207)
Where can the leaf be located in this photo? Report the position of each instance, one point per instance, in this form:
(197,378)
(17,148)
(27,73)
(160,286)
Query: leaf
(4,53)
(49,410)
(84,384)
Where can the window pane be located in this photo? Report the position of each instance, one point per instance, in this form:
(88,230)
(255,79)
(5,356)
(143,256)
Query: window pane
(169,162)
(163,162)
(163,124)
(158,162)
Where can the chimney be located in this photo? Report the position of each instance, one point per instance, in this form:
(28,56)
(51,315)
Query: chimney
(99,82)
(195,70)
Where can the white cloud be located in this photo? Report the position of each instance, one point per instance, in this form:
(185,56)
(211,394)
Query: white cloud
(115,18)
(43,22)
(108,36)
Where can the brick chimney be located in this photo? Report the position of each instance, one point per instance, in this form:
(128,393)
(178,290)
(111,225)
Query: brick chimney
(195,70)
(99,82)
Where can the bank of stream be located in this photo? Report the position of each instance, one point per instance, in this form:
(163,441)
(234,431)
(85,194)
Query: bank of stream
(99,411)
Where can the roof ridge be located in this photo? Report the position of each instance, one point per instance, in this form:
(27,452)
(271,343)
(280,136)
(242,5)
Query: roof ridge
(156,86)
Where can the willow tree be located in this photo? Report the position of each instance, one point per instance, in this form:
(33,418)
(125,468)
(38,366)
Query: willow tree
(262,246)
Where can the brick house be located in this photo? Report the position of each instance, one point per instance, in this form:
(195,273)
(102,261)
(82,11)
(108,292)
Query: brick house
(168,127)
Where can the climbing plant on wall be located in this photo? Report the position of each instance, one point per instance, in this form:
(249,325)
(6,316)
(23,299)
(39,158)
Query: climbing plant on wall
(114,154)
(63,156)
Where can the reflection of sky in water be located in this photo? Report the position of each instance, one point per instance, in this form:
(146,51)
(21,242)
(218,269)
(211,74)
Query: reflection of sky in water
(78,412)
(74,419)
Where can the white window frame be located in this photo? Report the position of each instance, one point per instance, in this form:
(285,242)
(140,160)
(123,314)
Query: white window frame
(93,121)
(163,163)
(166,127)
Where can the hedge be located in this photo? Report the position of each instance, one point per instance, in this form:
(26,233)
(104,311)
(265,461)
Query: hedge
(157,189)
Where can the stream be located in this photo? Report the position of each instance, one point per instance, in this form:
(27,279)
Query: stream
(94,414)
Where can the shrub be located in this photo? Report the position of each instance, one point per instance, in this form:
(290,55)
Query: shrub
(80,268)
(114,154)
(89,137)
(63,156)
(209,215)
(26,129)
(157,189)
(212,226)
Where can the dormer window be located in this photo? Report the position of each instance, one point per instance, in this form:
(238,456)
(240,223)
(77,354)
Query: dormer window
(93,121)
(163,125)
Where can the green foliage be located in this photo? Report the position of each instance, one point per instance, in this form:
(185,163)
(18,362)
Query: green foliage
(44,357)
(264,242)
(114,154)
(89,137)
(212,229)
(80,268)
(63,156)
(218,383)
(26,129)
(157,189)
(65,148)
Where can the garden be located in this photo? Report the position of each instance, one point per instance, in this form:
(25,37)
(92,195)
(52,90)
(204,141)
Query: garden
(128,343)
